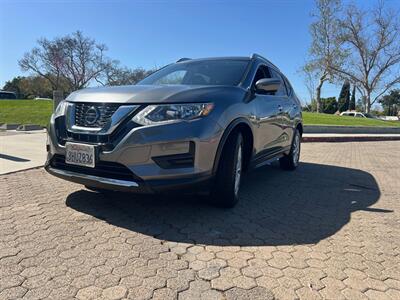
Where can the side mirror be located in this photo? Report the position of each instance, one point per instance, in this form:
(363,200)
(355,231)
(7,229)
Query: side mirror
(270,85)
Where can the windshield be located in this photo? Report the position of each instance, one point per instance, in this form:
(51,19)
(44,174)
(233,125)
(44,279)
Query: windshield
(204,72)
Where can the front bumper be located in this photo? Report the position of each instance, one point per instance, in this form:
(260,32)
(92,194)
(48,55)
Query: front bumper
(197,184)
(145,153)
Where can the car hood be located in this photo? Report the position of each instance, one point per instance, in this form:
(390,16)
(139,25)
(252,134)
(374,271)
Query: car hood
(145,94)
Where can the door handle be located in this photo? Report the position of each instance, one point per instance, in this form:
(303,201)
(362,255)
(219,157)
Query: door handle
(280,107)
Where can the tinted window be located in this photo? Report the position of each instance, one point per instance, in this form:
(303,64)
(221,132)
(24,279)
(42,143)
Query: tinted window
(282,89)
(203,72)
(288,87)
(262,72)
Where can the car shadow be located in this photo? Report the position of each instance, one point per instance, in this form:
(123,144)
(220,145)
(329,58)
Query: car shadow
(13,158)
(276,208)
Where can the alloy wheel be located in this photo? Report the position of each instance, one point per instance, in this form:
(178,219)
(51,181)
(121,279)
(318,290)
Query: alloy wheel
(238,169)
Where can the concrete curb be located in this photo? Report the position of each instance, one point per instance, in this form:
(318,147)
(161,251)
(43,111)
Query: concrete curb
(351,129)
(8,126)
(29,127)
(350,138)
(22,170)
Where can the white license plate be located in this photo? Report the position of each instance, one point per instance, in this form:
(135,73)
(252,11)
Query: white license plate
(79,154)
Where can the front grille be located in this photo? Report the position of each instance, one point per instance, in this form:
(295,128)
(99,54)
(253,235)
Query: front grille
(94,115)
(102,169)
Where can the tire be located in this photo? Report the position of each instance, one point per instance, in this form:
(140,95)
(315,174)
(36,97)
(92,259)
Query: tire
(229,173)
(291,161)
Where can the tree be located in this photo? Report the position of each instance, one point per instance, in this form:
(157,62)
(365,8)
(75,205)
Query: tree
(325,49)
(360,104)
(344,97)
(74,58)
(115,75)
(15,85)
(32,86)
(352,104)
(391,103)
(309,80)
(372,41)
(330,105)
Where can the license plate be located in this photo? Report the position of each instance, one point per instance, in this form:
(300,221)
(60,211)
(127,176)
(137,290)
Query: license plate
(79,154)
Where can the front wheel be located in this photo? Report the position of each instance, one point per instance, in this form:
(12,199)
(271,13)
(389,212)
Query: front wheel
(229,174)
(291,161)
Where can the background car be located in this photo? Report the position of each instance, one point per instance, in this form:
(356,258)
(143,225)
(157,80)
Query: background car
(357,114)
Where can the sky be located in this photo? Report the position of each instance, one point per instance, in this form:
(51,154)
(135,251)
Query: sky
(151,34)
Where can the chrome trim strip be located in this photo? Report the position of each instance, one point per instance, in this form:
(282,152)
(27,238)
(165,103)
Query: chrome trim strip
(118,182)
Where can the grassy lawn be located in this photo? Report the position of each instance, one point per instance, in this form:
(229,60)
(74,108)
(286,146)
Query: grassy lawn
(26,111)
(325,119)
(39,111)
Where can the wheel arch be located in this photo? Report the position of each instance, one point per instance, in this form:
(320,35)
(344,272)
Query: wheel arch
(244,126)
(299,126)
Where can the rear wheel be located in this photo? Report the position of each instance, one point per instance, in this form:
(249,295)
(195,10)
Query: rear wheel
(291,161)
(229,174)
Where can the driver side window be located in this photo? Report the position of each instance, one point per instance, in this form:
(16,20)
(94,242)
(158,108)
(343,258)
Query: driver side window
(262,72)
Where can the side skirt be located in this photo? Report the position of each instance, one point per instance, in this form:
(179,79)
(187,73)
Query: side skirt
(268,158)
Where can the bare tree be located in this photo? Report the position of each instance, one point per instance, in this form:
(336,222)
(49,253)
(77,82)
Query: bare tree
(325,49)
(372,41)
(46,60)
(310,78)
(115,75)
(75,58)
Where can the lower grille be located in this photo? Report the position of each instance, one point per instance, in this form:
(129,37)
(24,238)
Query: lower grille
(103,169)
(89,138)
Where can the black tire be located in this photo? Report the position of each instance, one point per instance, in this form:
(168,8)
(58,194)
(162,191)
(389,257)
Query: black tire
(291,161)
(225,192)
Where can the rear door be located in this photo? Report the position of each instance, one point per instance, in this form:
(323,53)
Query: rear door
(289,109)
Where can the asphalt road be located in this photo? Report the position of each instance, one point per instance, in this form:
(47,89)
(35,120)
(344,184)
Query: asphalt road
(328,230)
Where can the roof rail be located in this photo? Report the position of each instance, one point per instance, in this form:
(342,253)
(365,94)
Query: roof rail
(183,59)
(255,55)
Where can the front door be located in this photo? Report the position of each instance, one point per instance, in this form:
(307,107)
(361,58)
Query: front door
(269,112)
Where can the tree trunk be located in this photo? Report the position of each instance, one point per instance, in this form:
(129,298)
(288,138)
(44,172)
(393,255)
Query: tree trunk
(352,105)
(57,98)
(368,102)
(318,97)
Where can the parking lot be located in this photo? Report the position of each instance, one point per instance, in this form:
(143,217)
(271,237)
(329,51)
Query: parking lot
(328,230)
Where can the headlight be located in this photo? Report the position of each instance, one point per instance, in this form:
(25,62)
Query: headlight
(168,113)
(60,109)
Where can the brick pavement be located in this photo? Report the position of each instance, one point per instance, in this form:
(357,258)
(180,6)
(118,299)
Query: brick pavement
(328,230)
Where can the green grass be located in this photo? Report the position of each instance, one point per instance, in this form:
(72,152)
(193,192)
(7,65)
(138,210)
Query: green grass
(39,111)
(26,111)
(325,119)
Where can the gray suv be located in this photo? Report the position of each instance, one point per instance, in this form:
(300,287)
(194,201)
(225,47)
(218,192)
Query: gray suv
(192,126)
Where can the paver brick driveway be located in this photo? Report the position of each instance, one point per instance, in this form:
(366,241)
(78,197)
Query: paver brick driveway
(328,230)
